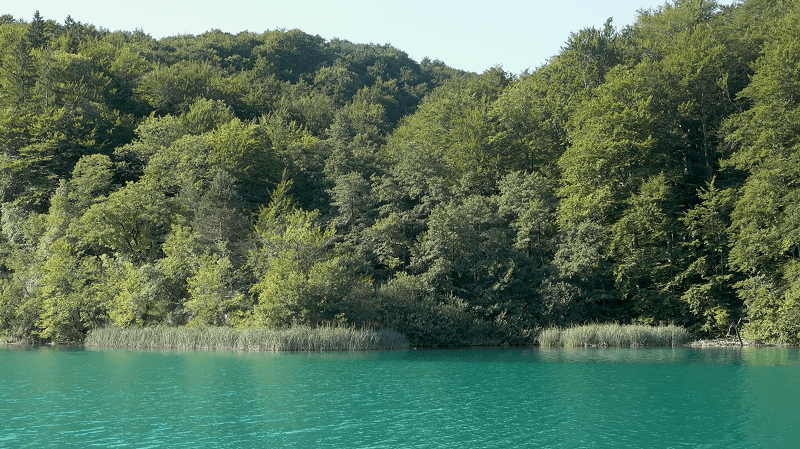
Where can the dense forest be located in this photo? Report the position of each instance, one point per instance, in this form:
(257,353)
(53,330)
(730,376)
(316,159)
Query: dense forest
(649,174)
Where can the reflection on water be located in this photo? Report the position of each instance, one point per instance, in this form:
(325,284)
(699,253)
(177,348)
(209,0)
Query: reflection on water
(570,398)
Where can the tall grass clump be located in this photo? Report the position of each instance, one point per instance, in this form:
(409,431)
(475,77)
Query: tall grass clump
(615,335)
(550,336)
(299,338)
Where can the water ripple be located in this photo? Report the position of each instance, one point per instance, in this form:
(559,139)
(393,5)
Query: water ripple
(489,398)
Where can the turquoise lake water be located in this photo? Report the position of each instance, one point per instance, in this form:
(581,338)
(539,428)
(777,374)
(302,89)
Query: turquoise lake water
(471,398)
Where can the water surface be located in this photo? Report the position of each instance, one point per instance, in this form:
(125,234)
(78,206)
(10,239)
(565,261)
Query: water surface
(472,398)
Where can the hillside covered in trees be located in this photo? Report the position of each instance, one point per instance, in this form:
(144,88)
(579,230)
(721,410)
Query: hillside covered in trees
(649,174)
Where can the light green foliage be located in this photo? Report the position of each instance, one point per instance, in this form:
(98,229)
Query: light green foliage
(588,55)
(204,257)
(243,150)
(384,63)
(137,295)
(182,248)
(191,162)
(765,243)
(92,178)
(528,128)
(559,87)
(19,309)
(212,293)
(155,134)
(447,140)
(788,314)
(130,222)
(122,59)
(389,241)
(67,294)
(613,150)
(204,115)
(300,279)
(67,79)
(366,113)
(614,211)
(643,144)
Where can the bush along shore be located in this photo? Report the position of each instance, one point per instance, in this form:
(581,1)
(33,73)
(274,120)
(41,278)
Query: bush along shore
(299,338)
(616,335)
(336,338)
(342,338)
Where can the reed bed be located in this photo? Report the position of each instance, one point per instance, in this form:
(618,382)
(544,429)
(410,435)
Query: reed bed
(299,338)
(614,335)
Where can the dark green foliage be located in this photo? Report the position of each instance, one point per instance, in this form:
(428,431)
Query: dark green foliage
(764,222)
(427,320)
(707,281)
(643,175)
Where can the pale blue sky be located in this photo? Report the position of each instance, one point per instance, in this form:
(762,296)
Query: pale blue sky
(469,35)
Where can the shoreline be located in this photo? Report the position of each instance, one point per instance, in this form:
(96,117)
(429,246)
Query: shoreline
(698,344)
(334,338)
(728,342)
